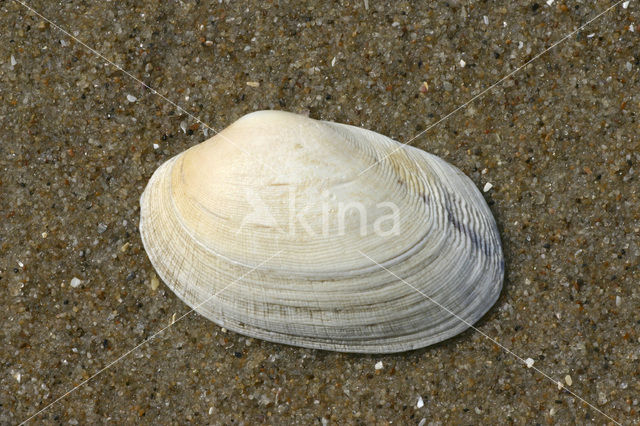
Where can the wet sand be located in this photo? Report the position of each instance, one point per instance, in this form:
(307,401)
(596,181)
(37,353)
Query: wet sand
(558,142)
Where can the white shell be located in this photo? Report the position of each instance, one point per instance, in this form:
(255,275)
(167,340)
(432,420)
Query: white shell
(246,229)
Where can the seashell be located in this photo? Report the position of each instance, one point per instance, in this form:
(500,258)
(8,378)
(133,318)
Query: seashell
(322,235)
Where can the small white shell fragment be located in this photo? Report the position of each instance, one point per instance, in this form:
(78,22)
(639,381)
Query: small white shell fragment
(462,63)
(183,126)
(550,2)
(560,385)
(75,282)
(420,403)
(378,365)
(568,380)
(210,410)
(591,35)
(156,146)
(13,61)
(529,362)
(333,61)
(131,98)
(253,83)
(238,228)
(625,4)
(618,301)
(485,19)
(155,282)
(631,28)
(17,376)
(20,264)
(487,186)
(602,398)
(423,422)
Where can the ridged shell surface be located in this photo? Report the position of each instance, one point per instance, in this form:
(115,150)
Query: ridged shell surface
(322,235)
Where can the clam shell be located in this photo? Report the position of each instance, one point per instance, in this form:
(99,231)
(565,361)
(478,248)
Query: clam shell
(260,229)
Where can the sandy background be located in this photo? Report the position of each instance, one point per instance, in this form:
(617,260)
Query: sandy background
(558,141)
